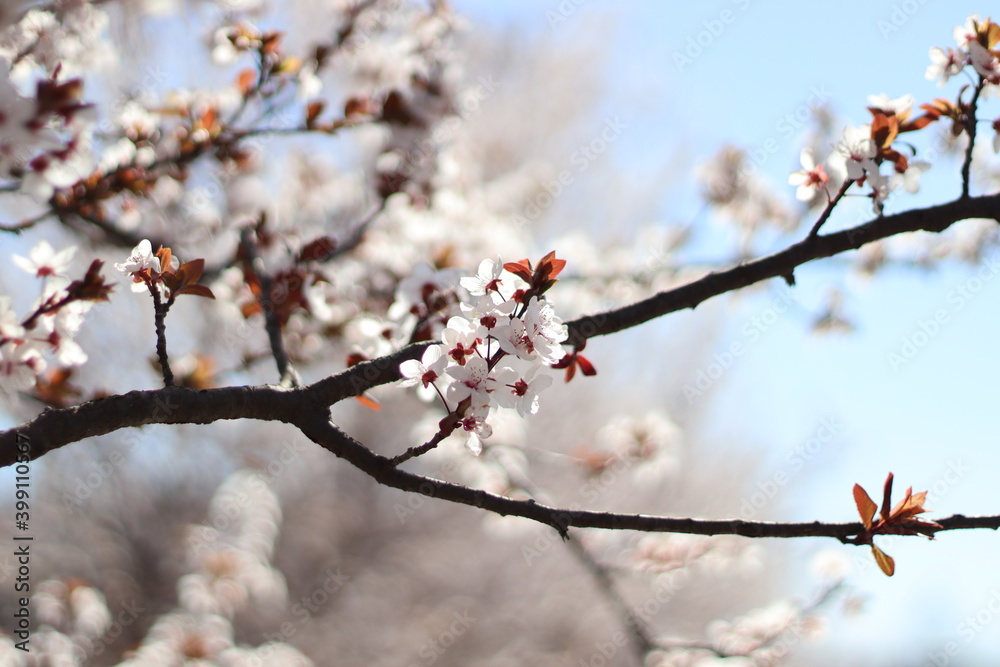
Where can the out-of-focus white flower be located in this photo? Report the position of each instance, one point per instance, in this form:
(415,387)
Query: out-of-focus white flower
(44,261)
(811,179)
(985,63)
(945,64)
(310,85)
(966,34)
(830,564)
(20,364)
(10,325)
(900,106)
(910,179)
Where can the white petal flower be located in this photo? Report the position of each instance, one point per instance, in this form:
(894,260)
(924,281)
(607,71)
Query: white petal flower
(141,260)
(10,326)
(811,179)
(985,63)
(966,34)
(487,279)
(520,390)
(424,373)
(945,64)
(858,151)
(43,261)
(20,364)
(476,429)
(487,315)
(910,179)
(460,339)
(471,381)
(899,106)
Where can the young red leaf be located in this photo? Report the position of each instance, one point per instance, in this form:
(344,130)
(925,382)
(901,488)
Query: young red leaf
(192,270)
(520,269)
(369,402)
(313,111)
(866,506)
(245,81)
(884,561)
(196,290)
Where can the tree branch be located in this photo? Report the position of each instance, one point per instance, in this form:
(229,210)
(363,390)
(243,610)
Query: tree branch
(177,405)
(358,379)
(932,219)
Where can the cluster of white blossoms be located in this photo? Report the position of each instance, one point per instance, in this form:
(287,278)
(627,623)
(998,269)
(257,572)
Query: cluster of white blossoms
(947,63)
(858,156)
(230,569)
(862,150)
(55,320)
(490,356)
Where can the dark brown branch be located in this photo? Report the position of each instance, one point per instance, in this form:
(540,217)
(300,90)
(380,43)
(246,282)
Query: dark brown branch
(302,407)
(363,377)
(830,205)
(932,219)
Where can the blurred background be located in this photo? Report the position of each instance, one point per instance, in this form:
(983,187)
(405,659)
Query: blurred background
(604,131)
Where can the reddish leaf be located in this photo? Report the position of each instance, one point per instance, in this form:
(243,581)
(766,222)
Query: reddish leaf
(165,256)
(313,111)
(196,290)
(866,506)
(369,403)
(520,269)
(884,561)
(92,287)
(245,81)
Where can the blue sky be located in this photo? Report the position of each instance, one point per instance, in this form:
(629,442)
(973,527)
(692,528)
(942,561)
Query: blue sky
(931,420)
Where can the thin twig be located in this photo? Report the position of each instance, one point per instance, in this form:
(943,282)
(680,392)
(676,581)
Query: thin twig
(830,205)
(160,316)
(272,321)
(970,128)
